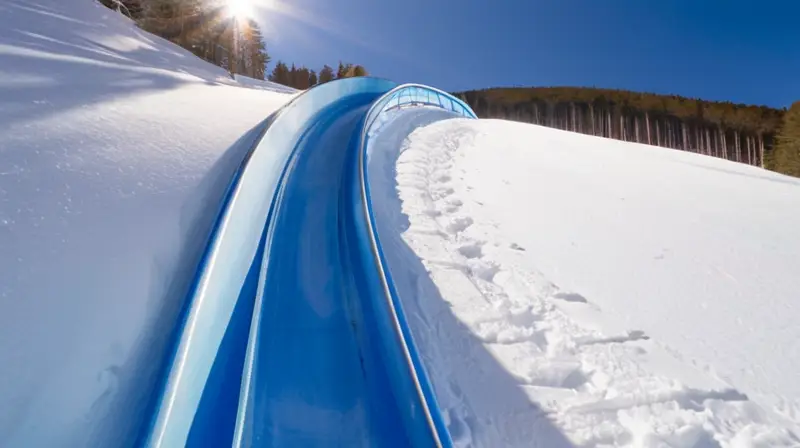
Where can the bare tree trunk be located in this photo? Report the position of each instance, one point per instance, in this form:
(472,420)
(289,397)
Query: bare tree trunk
(744,150)
(548,115)
(602,127)
(182,18)
(671,134)
(739,156)
(712,143)
(572,113)
(715,142)
(568,118)
(672,139)
(724,143)
(700,144)
(621,127)
(710,139)
(683,133)
(673,142)
(647,123)
(761,150)
(700,147)
(636,128)
(658,134)
(749,154)
(601,123)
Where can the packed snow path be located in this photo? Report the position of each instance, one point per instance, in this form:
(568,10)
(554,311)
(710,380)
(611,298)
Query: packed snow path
(590,292)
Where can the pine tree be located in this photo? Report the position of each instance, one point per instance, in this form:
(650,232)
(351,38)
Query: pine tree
(200,27)
(355,70)
(787,151)
(301,78)
(175,20)
(326,74)
(281,74)
(341,72)
(257,55)
(293,77)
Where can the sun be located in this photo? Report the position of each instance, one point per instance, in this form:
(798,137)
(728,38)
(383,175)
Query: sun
(240,9)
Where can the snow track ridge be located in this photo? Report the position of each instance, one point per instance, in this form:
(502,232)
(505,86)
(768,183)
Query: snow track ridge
(407,95)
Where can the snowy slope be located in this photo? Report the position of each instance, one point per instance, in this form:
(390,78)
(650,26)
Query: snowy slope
(115,149)
(566,289)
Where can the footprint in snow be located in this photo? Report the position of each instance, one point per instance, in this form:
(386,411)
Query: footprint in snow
(442,178)
(631,336)
(471,250)
(459,224)
(441,193)
(452,205)
(484,271)
(450,208)
(570,297)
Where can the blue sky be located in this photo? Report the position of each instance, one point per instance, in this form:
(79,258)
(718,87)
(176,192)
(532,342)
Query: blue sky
(742,51)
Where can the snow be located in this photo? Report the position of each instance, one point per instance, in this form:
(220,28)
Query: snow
(562,289)
(115,150)
(568,290)
(263,85)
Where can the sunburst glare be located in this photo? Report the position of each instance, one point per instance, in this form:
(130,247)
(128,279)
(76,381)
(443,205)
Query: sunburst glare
(241,9)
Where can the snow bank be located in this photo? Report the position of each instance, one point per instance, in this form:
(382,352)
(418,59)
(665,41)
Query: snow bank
(259,84)
(566,289)
(115,149)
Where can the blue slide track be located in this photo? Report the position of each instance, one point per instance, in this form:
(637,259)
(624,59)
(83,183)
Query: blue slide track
(293,334)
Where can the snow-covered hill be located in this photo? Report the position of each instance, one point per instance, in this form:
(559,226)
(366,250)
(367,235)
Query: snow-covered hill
(563,289)
(115,149)
(594,292)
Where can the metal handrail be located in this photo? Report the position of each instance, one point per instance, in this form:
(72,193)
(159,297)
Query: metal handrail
(382,105)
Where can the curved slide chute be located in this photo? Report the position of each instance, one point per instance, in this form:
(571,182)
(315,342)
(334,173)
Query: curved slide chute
(293,333)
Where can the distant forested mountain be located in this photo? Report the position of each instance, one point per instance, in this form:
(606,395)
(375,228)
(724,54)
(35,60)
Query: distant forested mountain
(755,135)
